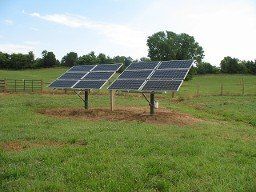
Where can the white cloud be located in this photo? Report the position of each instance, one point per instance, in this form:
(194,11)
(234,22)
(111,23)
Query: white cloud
(32,42)
(1,36)
(221,27)
(8,22)
(123,35)
(34,29)
(16,48)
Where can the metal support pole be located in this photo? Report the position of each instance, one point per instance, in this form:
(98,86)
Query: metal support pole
(112,99)
(152,104)
(86,99)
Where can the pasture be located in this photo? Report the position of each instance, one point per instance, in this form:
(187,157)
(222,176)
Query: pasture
(68,152)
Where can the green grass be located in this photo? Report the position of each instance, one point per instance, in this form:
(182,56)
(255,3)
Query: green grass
(217,154)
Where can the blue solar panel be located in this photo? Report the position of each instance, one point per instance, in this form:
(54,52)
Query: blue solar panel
(142,65)
(98,75)
(62,83)
(88,84)
(127,84)
(143,74)
(176,64)
(162,85)
(107,67)
(72,75)
(81,68)
(169,74)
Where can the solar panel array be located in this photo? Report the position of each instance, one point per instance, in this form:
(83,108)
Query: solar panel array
(153,76)
(86,77)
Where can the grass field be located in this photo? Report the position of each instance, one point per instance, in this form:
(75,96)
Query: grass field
(47,153)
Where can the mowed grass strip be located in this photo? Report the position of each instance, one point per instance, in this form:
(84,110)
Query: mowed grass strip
(217,154)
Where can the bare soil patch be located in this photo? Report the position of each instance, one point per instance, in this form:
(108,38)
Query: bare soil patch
(20,145)
(162,116)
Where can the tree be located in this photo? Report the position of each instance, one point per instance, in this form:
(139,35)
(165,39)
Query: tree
(171,46)
(88,59)
(145,59)
(4,60)
(103,59)
(250,66)
(48,59)
(230,65)
(69,59)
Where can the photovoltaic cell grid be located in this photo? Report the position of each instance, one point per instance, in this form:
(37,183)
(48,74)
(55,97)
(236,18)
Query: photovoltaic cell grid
(86,76)
(153,76)
(162,85)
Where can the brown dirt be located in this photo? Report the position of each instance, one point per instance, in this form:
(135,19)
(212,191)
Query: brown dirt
(20,145)
(162,116)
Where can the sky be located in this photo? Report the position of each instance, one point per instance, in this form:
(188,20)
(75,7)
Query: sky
(121,27)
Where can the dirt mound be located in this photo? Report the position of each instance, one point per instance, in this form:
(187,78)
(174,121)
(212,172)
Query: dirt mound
(162,116)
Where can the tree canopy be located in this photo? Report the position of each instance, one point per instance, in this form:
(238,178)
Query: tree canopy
(171,46)
(69,59)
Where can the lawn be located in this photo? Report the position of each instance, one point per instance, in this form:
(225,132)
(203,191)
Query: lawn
(47,153)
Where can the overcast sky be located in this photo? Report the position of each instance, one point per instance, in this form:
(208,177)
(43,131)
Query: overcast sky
(121,27)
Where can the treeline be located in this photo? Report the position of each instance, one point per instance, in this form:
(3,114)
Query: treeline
(18,61)
(227,65)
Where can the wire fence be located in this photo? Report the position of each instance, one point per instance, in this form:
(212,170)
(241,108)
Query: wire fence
(240,87)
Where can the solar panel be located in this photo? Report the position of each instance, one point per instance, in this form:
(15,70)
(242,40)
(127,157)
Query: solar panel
(62,83)
(86,76)
(153,76)
(162,85)
(143,74)
(89,84)
(107,67)
(176,64)
(98,75)
(72,75)
(127,84)
(143,65)
(80,68)
(169,74)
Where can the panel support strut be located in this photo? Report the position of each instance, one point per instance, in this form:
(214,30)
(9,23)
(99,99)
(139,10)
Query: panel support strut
(152,104)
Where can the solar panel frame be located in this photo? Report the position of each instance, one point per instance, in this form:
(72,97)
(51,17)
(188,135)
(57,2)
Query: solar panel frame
(126,84)
(176,64)
(143,74)
(151,76)
(170,74)
(100,67)
(60,81)
(164,83)
(103,75)
(71,76)
(87,87)
(91,67)
(138,65)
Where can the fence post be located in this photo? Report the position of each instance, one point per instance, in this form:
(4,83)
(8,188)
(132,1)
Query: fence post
(41,84)
(242,86)
(173,94)
(15,85)
(221,89)
(32,85)
(5,85)
(24,85)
